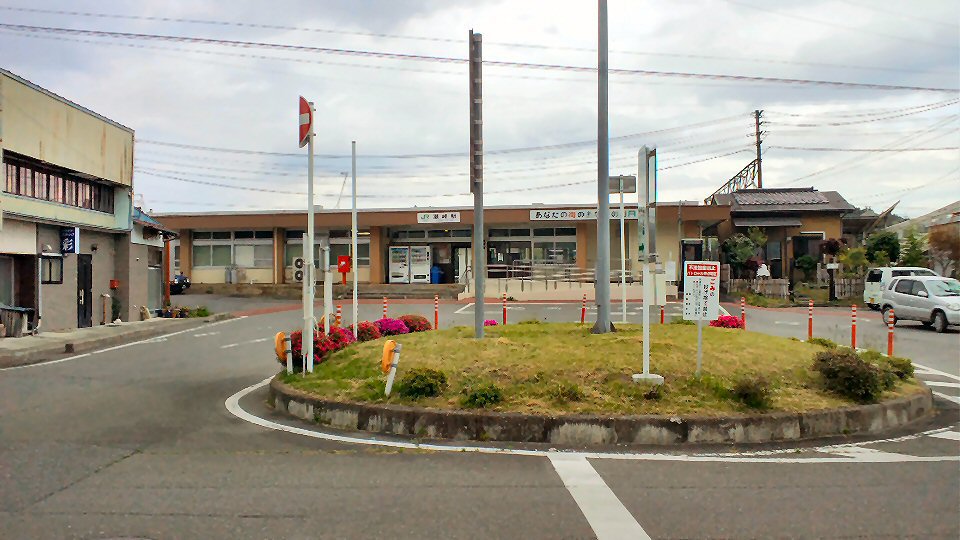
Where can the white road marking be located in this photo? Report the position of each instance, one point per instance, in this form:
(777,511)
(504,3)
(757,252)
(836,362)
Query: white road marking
(870,454)
(928,369)
(261,340)
(232,404)
(461,310)
(149,340)
(606,515)
(948,398)
(949,435)
(790,323)
(942,384)
(204,334)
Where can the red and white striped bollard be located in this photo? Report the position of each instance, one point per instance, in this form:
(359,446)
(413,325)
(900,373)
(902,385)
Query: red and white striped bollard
(504,308)
(436,312)
(853,326)
(810,321)
(891,320)
(583,309)
(384,307)
(743,312)
(339,314)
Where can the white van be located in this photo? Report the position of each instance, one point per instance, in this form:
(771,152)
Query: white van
(879,278)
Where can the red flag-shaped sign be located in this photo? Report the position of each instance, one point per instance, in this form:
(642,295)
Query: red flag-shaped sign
(306,121)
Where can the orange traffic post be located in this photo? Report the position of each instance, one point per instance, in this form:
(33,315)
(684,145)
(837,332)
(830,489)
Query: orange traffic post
(853,326)
(384,307)
(891,320)
(662,315)
(743,312)
(504,308)
(436,312)
(339,315)
(583,309)
(810,320)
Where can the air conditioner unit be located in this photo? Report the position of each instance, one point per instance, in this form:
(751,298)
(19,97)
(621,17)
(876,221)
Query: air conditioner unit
(298,269)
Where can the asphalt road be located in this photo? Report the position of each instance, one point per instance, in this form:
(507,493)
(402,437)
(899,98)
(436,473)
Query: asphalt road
(136,442)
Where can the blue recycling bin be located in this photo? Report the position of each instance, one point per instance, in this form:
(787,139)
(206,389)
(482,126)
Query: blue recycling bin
(435,274)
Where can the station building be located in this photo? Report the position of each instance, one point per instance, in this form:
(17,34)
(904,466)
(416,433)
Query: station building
(71,243)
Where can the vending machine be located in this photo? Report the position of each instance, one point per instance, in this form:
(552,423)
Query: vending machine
(420,263)
(399,264)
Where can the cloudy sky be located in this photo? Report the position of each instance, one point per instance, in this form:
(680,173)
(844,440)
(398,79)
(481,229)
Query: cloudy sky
(216,122)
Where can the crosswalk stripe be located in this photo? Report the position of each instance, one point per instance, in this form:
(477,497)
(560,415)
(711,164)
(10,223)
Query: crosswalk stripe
(948,398)
(942,384)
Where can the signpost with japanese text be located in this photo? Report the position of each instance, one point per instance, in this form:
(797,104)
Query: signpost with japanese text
(701,297)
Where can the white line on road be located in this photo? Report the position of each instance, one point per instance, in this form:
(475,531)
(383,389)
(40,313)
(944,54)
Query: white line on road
(232,404)
(150,340)
(461,310)
(261,340)
(606,515)
(206,334)
(949,435)
(942,384)
(946,397)
(933,371)
(790,323)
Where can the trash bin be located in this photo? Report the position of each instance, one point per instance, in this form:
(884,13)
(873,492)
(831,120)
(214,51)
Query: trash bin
(435,274)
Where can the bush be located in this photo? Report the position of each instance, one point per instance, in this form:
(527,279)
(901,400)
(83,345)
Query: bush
(323,345)
(422,382)
(807,265)
(482,395)
(682,321)
(566,391)
(727,321)
(654,393)
(490,322)
(529,321)
(200,311)
(366,331)
(823,342)
(847,374)
(902,368)
(340,337)
(416,323)
(391,327)
(754,391)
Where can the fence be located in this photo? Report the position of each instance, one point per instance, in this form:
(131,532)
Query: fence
(772,288)
(849,287)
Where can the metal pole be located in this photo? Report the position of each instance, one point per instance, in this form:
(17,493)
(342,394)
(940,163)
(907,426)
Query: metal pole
(353,249)
(647,277)
(308,319)
(327,288)
(623,260)
(476,178)
(602,278)
(699,332)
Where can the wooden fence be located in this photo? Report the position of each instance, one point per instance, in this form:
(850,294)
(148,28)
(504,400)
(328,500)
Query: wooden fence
(773,288)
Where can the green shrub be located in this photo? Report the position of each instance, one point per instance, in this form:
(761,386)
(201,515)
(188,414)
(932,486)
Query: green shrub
(901,367)
(754,391)
(482,395)
(823,342)
(422,382)
(200,311)
(654,393)
(845,373)
(681,321)
(566,391)
(530,321)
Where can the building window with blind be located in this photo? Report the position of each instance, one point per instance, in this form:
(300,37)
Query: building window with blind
(245,249)
(36,181)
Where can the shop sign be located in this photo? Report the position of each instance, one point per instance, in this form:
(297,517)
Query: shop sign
(576,215)
(701,290)
(438,217)
(69,240)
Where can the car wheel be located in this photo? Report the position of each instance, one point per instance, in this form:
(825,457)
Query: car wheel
(886,316)
(875,307)
(926,324)
(939,322)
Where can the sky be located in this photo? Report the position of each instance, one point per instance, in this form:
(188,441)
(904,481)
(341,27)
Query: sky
(216,123)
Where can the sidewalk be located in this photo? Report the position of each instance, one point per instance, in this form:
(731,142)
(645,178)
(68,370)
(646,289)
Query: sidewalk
(47,345)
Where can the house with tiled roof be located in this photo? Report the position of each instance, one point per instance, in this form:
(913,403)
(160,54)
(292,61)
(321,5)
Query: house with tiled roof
(795,221)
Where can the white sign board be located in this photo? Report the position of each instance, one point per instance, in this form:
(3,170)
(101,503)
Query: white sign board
(576,215)
(438,217)
(701,290)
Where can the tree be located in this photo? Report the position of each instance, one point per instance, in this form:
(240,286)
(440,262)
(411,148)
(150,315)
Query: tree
(738,248)
(757,236)
(854,260)
(883,246)
(913,252)
(807,265)
(944,245)
(831,247)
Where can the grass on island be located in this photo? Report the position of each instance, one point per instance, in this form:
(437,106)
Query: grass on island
(563,369)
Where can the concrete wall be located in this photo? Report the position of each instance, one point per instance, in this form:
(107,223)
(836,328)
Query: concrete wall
(38,124)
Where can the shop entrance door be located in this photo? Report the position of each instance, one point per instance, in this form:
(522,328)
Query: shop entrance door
(84,291)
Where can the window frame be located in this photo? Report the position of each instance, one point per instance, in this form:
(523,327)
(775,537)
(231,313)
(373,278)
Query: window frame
(46,270)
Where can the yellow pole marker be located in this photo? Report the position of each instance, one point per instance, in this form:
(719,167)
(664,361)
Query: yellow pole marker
(280,347)
(389,361)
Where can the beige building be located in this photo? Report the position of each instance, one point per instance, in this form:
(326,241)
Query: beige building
(68,243)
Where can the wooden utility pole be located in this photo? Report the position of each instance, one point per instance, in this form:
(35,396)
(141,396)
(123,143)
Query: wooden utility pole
(756,116)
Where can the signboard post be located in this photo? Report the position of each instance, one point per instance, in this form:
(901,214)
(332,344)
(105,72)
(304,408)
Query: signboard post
(701,297)
(623,184)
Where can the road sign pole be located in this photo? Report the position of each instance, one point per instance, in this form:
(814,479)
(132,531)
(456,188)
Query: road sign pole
(353,250)
(623,260)
(644,251)
(307,342)
(699,330)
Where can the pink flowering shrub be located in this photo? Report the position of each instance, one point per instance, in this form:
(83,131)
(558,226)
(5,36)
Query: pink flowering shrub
(416,323)
(490,322)
(323,345)
(727,321)
(367,331)
(391,327)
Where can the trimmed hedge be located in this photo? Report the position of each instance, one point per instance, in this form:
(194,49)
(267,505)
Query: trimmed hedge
(845,373)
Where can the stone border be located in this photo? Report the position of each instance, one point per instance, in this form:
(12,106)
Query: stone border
(580,430)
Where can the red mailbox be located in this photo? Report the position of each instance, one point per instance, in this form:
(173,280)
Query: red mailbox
(343,266)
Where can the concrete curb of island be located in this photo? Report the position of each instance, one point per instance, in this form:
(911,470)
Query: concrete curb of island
(82,345)
(592,430)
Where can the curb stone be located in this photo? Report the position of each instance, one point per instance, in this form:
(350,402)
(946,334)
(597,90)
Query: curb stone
(81,345)
(592,430)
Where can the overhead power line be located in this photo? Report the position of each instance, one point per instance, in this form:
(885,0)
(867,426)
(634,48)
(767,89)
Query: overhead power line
(459,61)
(438,39)
(836,149)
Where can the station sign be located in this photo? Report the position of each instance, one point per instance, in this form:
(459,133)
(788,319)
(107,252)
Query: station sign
(578,215)
(438,217)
